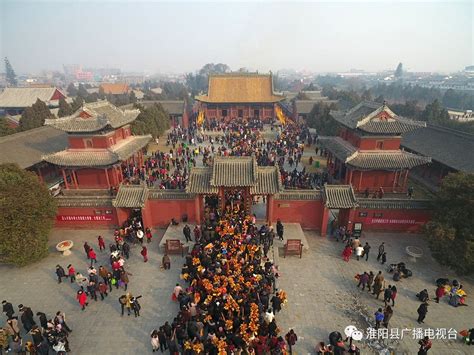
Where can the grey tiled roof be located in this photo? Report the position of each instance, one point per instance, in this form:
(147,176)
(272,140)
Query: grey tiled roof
(339,196)
(299,195)
(337,146)
(27,148)
(173,107)
(305,106)
(449,147)
(98,157)
(103,114)
(131,196)
(84,201)
(371,159)
(386,160)
(268,181)
(392,203)
(24,97)
(200,181)
(234,171)
(364,117)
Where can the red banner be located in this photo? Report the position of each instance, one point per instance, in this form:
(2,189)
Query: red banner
(79,218)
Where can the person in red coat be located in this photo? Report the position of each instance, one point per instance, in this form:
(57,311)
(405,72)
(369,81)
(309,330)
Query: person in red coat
(148,235)
(92,256)
(82,299)
(101,243)
(144,253)
(346,254)
(71,273)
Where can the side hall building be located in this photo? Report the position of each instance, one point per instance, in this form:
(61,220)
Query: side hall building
(239,95)
(99,141)
(367,153)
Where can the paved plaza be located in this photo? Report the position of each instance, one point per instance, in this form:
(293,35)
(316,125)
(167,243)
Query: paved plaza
(321,290)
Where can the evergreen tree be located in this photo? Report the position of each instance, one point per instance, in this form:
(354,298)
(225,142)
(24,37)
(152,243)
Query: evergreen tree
(435,113)
(64,108)
(27,211)
(82,92)
(77,103)
(321,119)
(34,116)
(450,234)
(132,98)
(399,70)
(10,73)
(71,90)
(5,130)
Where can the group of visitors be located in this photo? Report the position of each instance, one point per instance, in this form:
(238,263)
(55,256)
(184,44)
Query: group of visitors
(230,298)
(51,333)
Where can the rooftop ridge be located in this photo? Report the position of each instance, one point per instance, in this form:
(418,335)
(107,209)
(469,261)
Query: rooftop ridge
(451,130)
(29,132)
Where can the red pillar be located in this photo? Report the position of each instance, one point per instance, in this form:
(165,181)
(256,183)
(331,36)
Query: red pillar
(222,198)
(405,181)
(350,221)
(270,209)
(197,206)
(324,222)
(65,179)
(74,179)
(394,181)
(360,181)
(107,177)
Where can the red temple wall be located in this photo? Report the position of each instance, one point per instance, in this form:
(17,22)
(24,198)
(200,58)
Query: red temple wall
(307,213)
(158,213)
(86,217)
(100,141)
(374,143)
(370,143)
(374,180)
(92,179)
(392,220)
(215,111)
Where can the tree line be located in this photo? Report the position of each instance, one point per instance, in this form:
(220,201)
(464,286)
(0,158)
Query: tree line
(434,112)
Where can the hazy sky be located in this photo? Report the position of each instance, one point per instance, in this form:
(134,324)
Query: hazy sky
(182,36)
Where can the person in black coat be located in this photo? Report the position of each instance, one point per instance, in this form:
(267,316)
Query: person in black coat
(60,273)
(280,229)
(43,320)
(26,317)
(422,310)
(7,308)
(276,304)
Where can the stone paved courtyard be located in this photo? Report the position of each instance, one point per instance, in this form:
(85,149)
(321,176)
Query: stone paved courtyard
(321,290)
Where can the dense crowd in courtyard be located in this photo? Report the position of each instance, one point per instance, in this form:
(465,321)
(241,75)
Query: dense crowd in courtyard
(170,169)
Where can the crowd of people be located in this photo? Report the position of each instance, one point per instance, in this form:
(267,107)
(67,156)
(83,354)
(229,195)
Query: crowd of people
(47,333)
(230,299)
(239,137)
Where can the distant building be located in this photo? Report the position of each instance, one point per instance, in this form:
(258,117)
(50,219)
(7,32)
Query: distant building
(13,101)
(461,116)
(239,95)
(115,88)
(176,110)
(84,75)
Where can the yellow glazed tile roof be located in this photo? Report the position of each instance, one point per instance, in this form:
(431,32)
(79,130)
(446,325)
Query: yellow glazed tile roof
(240,88)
